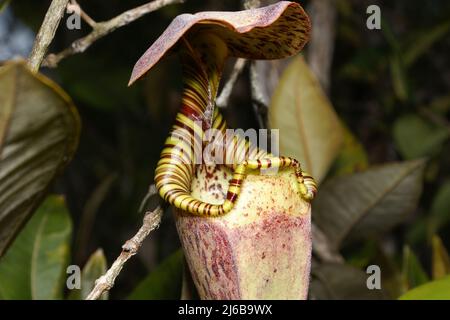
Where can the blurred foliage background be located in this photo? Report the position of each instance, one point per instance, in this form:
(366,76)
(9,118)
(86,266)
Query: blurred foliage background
(389,87)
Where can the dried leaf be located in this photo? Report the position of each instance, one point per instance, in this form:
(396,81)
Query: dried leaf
(310,130)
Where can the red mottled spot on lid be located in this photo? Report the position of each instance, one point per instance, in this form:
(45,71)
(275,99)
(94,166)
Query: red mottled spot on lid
(248,33)
(211,187)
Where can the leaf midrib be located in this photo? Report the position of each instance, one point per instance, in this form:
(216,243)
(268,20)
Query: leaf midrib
(303,139)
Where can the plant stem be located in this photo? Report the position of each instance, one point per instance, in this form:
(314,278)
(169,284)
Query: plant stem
(151,221)
(46,33)
(224,97)
(321,47)
(101,29)
(75,7)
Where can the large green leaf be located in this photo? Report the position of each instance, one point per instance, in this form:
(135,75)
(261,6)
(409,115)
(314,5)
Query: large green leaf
(310,130)
(367,203)
(164,282)
(39,129)
(340,281)
(35,266)
(416,137)
(93,269)
(435,290)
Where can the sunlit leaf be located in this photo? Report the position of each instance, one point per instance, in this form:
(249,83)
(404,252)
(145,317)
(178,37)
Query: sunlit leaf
(310,130)
(164,282)
(367,203)
(441,259)
(413,273)
(340,281)
(351,158)
(435,290)
(92,270)
(39,129)
(416,137)
(35,265)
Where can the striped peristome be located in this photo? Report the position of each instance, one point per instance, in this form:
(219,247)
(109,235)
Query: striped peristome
(177,165)
(204,41)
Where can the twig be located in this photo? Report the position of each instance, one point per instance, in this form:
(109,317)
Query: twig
(321,45)
(46,33)
(73,6)
(224,97)
(262,76)
(320,56)
(151,221)
(101,29)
